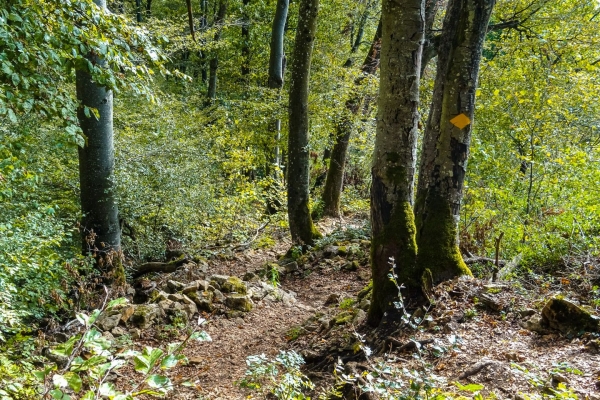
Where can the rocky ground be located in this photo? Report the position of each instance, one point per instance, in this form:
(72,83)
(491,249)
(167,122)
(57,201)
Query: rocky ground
(501,335)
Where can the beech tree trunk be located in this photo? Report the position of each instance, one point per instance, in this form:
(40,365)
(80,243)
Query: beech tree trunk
(101,232)
(394,159)
(447,139)
(214,61)
(334,181)
(277,66)
(301,224)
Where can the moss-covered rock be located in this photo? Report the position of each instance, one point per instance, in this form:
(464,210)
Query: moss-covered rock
(365,293)
(233,284)
(145,315)
(569,318)
(238,302)
(203,300)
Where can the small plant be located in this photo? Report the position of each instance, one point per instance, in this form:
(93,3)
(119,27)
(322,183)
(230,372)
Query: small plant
(280,376)
(294,333)
(87,376)
(470,313)
(347,304)
(273,275)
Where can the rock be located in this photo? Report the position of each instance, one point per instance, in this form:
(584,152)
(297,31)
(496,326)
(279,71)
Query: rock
(135,333)
(291,267)
(175,286)
(343,318)
(365,304)
(238,302)
(118,331)
(176,297)
(360,317)
(108,320)
(108,336)
(567,317)
(535,324)
(126,313)
(330,251)
(593,346)
(350,266)
(145,315)
(233,284)
(250,277)
(287,299)
(365,243)
(203,300)
(218,297)
(364,274)
(527,312)
(491,302)
(219,280)
(343,251)
(192,287)
(334,298)
(60,337)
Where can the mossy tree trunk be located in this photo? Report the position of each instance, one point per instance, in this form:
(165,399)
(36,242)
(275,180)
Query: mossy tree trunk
(214,61)
(394,159)
(447,138)
(301,224)
(334,181)
(101,232)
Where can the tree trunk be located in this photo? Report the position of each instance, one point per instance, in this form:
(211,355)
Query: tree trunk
(245,41)
(277,66)
(202,54)
(301,224)
(101,230)
(138,11)
(335,174)
(394,159)
(447,139)
(214,62)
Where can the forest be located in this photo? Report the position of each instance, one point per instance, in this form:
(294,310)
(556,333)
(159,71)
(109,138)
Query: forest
(299,199)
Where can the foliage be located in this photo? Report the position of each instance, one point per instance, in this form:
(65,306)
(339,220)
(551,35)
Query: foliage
(280,376)
(86,361)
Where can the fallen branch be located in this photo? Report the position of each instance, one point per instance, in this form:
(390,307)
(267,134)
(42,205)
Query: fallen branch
(477,368)
(477,260)
(149,267)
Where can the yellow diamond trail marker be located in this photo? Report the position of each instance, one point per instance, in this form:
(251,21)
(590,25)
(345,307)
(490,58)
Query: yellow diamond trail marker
(460,121)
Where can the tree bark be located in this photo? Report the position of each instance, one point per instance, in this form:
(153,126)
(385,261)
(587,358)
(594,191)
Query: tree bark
(214,62)
(394,159)
(277,56)
(446,142)
(101,229)
(245,41)
(337,161)
(301,224)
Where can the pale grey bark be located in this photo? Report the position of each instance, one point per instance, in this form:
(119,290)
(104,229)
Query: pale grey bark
(96,165)
(277,56)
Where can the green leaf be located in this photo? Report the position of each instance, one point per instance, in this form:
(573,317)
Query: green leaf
(108,389)
(158,381)
(74,381)
(120,300)
(12,116)
(170,361)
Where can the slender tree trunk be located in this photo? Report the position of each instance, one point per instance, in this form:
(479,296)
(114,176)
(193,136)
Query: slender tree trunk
(277,65)
(214,62)
(301,225)
(202,54)
(148,8)
(337,161)
(101,230)
(447,139)
(394,159)
(138,11)
(245,41)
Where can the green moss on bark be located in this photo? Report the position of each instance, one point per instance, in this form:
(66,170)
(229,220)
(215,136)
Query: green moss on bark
(396,240)
(438,243)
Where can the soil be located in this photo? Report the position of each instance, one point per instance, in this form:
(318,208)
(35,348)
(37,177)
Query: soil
(466,331)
